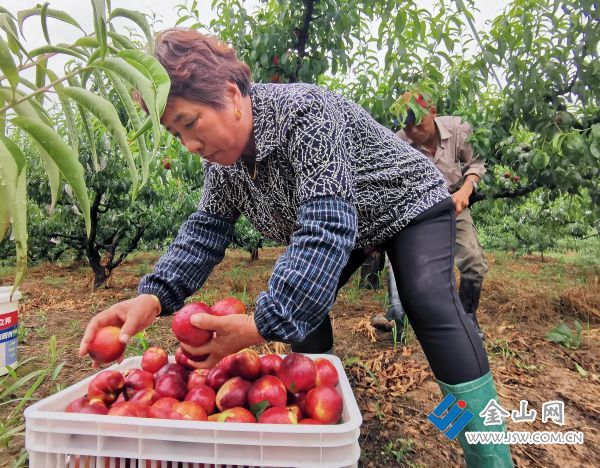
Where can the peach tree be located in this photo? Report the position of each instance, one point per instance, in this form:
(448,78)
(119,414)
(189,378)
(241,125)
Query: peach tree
(99,62)
(528,82)
(118,226)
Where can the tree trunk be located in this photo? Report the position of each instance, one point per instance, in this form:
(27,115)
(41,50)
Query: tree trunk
(91,252)
(254,252)
(101,273)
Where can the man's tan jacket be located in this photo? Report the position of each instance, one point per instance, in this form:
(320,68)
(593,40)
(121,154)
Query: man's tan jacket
(454,155)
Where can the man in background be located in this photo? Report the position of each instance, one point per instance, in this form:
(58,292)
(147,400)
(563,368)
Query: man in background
(443,139)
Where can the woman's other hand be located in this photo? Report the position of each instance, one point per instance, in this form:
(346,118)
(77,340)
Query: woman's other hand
(132,316)
(232,333)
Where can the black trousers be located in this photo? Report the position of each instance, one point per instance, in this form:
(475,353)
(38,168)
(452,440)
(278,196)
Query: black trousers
(422,257)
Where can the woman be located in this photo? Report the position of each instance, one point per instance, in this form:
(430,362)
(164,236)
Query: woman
(314,171)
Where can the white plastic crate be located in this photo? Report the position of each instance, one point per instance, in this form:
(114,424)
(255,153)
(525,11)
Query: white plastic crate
(54,438)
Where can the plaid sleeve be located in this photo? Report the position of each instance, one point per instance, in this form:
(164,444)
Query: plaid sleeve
(198,247)
(303,284)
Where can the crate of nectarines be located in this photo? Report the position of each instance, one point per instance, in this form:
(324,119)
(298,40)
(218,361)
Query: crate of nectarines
(158,410)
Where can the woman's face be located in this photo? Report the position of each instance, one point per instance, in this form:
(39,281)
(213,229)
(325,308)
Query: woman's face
(218,135)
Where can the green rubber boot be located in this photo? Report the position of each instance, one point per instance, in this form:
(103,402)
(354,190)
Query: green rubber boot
(477,395)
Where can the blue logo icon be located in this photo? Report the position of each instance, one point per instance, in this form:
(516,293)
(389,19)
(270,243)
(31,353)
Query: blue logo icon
(456,418)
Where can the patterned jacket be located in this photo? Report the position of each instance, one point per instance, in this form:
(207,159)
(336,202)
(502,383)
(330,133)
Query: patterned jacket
(329,179)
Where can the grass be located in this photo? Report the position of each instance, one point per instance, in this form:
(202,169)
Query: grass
(40,329)
(75,327)
(352,292)
(501,347)
(22,333)
(143,268)
(398,449)
(7,270)
(18,388)
(565,337)
(55,281)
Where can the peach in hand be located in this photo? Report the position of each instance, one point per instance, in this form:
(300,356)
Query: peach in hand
(105,346)
(183,329)
(228,306)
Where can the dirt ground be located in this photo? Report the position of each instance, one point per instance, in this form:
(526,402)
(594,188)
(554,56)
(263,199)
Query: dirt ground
(522,300)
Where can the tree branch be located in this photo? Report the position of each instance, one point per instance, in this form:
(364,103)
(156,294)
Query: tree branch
(309,6)
(67,236)
(91,251)
(14,103)
(132,246)
(507,193)
(33,64)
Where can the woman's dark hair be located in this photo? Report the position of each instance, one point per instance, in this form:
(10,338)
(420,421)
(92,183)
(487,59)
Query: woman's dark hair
(200,66)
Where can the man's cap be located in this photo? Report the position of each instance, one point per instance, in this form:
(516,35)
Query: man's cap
(410,115)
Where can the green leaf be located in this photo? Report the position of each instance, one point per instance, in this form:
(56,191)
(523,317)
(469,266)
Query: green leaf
(57,370)
(106,113)
(557,338)
(582,372)
(68,111)
(557,142)
(8,187)
(87,126)
(595,149)
(40,78)
(99,7)
(29,108)
(136,122)
(540,159)
(2,116)
(6,12)
(57,14)
(183,19)
(152,69)
(259,408)
(12,33)
(43,18)
(139,19)
(87,41)
(161,84)
(52,49)
(121,41)
(52,143)
(19,227)
(15,152)
(147,125)
(8,66)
